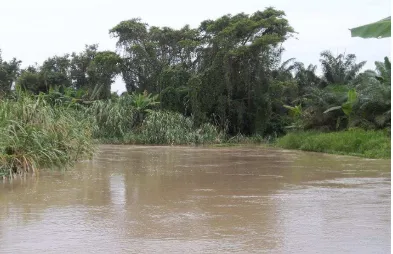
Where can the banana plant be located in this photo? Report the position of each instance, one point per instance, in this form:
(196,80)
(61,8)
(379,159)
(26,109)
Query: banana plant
(346,107)
(295,112)
(142,102)
(379,29)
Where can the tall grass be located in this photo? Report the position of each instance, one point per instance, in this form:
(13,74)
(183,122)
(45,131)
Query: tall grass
(359,142)
(34,135)
(127,120)
(164,127)
(112,118)
(37,132)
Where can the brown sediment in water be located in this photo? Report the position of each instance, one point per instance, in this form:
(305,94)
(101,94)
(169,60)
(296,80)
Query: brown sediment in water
(149,199)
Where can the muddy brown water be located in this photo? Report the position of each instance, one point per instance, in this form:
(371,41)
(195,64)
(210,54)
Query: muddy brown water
(143,199)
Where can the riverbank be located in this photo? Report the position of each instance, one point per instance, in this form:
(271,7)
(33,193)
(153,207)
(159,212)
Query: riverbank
(356,142)
(36,132)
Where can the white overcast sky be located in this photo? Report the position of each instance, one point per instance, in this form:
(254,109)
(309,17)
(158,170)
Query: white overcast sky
(35,30)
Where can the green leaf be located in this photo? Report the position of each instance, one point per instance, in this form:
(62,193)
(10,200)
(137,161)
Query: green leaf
(352,96)
(289,107)
(347,108)
(332,109)
(379,29)
(294,111)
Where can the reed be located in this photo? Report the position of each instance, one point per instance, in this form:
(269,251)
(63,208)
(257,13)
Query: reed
(34,135)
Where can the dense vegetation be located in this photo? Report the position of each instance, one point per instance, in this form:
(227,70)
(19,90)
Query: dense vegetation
(35,134)
(220,80)
(359,142)
(130,119)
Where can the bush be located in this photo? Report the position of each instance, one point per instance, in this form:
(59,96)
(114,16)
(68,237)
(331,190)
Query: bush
(34,134)
(371,144)
(163,127)
(112,119)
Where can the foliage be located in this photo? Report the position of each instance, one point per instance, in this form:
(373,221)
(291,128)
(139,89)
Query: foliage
(341,69)
(222,81)
(55,71)
(32,81)
(92,71)
(112,118)
(161,127)
(101,72)
(371,144)
(226,72)
(346,107)
(79,65)
(142,102)
(373,109)
(218,73)
(34,134)
(379,29)
(8,74)
(363,101)
(296,113)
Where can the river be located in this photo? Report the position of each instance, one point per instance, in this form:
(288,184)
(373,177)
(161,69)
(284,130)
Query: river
(150,199)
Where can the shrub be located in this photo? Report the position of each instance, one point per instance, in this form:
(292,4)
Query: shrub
(34,134)
(371,144)
(112,118)
(163,127)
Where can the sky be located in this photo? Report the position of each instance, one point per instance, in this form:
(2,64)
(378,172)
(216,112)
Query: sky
(32,31)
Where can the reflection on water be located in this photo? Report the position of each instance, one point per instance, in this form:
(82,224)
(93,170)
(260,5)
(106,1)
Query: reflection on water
(143,199)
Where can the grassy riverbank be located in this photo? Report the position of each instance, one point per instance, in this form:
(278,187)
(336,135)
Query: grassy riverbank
(357,142)
(35,134)
(222,83)
(37,131)
(115,124)
(44,131)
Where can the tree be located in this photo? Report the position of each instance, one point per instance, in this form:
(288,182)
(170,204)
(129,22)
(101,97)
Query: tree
(339,70)
(9,71)
(346,107)
(101,72)
(55,71)
(31,80)
(374,88)
(149,51)
(235,66)
(79,65)
(306,77)
(219,72)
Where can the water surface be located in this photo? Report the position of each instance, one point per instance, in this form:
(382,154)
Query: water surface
(144,199)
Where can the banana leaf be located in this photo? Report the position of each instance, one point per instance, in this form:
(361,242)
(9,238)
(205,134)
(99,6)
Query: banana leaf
(347,106)
(379,29)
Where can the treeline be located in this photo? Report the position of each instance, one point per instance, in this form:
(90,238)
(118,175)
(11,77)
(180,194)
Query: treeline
(227,72)
(90,73)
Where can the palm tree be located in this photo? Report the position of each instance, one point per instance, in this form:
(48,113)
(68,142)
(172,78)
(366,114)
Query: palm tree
(339,70)
(306,77)
(317,100)
(382,71)
(284,71)
(374,88)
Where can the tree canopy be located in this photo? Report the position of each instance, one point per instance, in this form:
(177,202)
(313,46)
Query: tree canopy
(220,71)
(228,72)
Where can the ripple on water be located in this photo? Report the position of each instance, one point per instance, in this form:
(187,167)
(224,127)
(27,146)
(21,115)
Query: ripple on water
(146,199)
